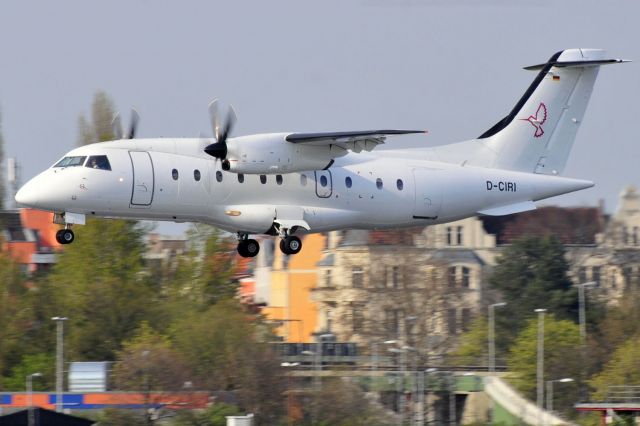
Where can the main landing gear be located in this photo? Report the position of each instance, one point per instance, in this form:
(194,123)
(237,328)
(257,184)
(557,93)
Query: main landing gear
(247,247)
(65,236)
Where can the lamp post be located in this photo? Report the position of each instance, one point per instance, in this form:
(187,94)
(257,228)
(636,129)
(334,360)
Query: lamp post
(540,371)
(424,404)
(550,391)
(59,360)
(289,365)
(492,336)
(30,396)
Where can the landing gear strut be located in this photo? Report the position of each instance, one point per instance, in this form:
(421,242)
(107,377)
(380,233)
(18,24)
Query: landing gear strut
(65,236)
(247,247)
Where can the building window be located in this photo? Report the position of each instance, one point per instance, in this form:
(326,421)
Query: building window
(379,183)
(392,322)
(219,176)
(303,180)
(174,174)
(449,236)
(357,277)
(240,178)
(196,175)
(635,236)
(395,277)
(582,275)
(348,182)
(263,179)
(327,278)
(400,184)
(357,316)
(466,277)
(279,179)
(459,236)
(451,321)
(595,274)
(466,319)
(451,274)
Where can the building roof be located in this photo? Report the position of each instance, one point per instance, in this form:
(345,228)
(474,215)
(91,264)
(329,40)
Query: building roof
(328,260)
(43,417)
(457,256)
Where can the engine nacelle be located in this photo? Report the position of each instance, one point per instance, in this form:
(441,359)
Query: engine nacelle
(271,154)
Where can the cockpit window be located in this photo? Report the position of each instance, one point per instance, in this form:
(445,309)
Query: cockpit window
(71,161)
(99,162)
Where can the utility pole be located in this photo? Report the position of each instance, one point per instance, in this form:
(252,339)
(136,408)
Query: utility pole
(492,336)
(540,371)
(59,361)
(30,419)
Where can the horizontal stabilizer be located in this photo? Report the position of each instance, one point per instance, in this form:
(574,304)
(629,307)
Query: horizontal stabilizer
(585,63)
(524,206)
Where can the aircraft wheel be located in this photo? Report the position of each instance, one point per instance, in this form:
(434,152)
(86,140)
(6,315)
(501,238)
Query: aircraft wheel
(291,244)
(65,236)
(248,248)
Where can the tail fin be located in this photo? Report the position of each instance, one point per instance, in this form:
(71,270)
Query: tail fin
(539,132)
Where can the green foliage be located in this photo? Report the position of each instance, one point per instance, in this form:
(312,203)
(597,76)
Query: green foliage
(561,358)
(215,415)
(101,286)
(622,369)
(472,349)
(148,362)
(42,363)
(99,129)
(118,417)
(531,274)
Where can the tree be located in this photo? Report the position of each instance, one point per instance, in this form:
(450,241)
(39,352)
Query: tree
(622,369)
(472,349)
(532,274)
(100,284)
(561,358)
(100,129)
(42,363)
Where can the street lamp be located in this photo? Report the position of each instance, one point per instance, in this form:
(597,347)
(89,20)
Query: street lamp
(30,396)
(550,391)
(540,372)
(59,360)
(492,335)
(289,365)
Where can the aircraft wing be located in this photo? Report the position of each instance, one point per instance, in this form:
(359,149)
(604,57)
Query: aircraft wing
(354,141)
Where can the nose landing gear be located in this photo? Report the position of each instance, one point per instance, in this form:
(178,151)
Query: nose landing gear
(65,236)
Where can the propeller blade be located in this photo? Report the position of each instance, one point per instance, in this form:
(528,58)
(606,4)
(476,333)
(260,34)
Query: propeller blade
(214,118)
(116,126)
(228,125)
(133,125)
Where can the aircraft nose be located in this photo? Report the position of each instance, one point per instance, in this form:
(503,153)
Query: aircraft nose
(27,196)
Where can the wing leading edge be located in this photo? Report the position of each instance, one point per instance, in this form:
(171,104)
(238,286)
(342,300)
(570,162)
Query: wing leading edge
(355,141)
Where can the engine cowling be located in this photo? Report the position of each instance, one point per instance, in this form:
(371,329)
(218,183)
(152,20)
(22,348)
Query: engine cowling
(272,154)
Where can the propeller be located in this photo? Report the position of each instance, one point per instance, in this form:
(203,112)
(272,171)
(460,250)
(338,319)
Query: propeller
(221,133)
(116,125)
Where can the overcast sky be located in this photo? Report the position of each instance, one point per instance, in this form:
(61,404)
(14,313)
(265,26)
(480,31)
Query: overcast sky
(453,67)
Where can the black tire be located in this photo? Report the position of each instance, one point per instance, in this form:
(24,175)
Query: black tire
(242,249)
(59,236)
(252,248)
(283,248)
(293,244)
(67,236)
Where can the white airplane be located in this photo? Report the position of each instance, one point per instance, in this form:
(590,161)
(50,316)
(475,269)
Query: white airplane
(291,183)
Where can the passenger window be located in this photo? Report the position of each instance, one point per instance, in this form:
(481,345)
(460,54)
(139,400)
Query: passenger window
(196,175)
(303,180)
(323,181)
(400,184)
(263,179)
(99,162)
(174,174)
(240,178)
(379,183)
(219,176)
(347,182)
(71,161)
(279,179)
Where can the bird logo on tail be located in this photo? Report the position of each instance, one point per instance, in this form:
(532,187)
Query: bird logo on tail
(538,119)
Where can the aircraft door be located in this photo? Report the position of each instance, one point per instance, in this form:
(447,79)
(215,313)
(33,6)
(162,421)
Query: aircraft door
(142,191)
(324,183)
(428,199)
